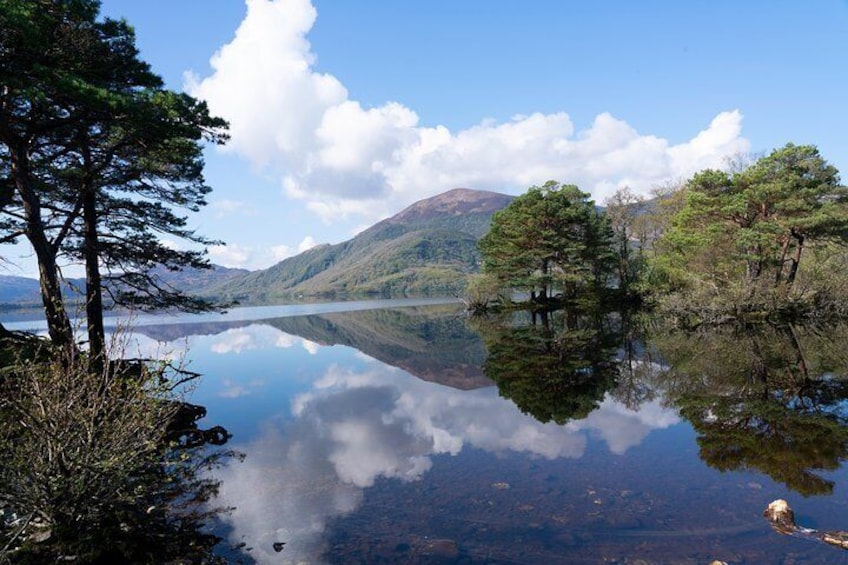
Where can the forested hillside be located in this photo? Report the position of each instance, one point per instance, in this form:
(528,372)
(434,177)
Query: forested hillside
(428,248)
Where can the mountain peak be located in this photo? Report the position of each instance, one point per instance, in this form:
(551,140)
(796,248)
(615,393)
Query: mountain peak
(453,202)
(428,248)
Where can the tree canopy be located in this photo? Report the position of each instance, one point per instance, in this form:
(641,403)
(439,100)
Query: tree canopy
(754,226)
(551,239)
(96,159)
(762,397)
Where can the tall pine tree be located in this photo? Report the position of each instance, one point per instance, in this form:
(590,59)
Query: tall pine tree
(97,159)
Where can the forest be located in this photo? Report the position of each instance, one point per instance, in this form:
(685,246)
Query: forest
(765,238)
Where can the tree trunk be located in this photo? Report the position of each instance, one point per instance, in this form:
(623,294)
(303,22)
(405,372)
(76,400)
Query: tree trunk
(800,360)
(93,289)
(755,266)
(623,263)
(796,258)
(58,323)
(543,295)
(784,249)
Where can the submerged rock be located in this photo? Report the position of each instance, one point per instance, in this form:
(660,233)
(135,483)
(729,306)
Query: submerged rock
(782,519)
(781,516)
(439,548)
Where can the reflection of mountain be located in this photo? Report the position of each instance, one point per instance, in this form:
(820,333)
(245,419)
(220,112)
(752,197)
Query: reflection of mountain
(770,398)
(433,343)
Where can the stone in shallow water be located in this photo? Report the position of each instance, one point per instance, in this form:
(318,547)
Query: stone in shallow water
(439,547)
(781,516)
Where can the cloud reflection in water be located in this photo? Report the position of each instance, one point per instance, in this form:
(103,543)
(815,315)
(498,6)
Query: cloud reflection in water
(355,426)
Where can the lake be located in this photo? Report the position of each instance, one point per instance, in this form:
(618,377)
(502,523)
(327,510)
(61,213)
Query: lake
(403,432)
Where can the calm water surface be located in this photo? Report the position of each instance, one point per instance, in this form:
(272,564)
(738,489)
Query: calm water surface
(377,435)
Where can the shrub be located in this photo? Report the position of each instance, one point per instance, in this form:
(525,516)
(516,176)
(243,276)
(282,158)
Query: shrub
(90,468)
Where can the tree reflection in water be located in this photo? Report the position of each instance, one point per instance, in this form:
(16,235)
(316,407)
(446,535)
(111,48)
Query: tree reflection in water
(556,366)
(769,398)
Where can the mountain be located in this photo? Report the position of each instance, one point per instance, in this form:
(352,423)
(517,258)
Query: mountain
(428,248)
(16,290)
(432,343)
(23,291)
(26,292)
(195,281)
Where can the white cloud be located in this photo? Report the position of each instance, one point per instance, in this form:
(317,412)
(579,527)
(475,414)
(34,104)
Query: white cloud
(280,252)
(234,341)
(248,257)
(255,336)
(232,389)
(143,347)
(230,255)
(170,243)
(306,244)
(311,347)
(285,341)
(227,207)
(343,159)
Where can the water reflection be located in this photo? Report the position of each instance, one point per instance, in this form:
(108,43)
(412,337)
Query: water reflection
(432,343)
(556,366)
(353,428)
(770,398)
(382,425)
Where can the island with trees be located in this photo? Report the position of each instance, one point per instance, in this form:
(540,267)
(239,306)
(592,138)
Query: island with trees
(766,239)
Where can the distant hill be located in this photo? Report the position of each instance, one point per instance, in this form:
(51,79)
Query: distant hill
(17,290)
(24,291)
(428,248)
(196,281)
(432,343)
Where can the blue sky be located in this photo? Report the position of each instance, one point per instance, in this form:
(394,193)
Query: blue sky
(343,113)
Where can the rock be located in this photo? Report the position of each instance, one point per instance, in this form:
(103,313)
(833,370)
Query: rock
(439,548)
(782,519)
(839,538)
(40,534)
(781,516)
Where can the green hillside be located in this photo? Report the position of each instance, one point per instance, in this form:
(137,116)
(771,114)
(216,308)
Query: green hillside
(25,292)
(429,248)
